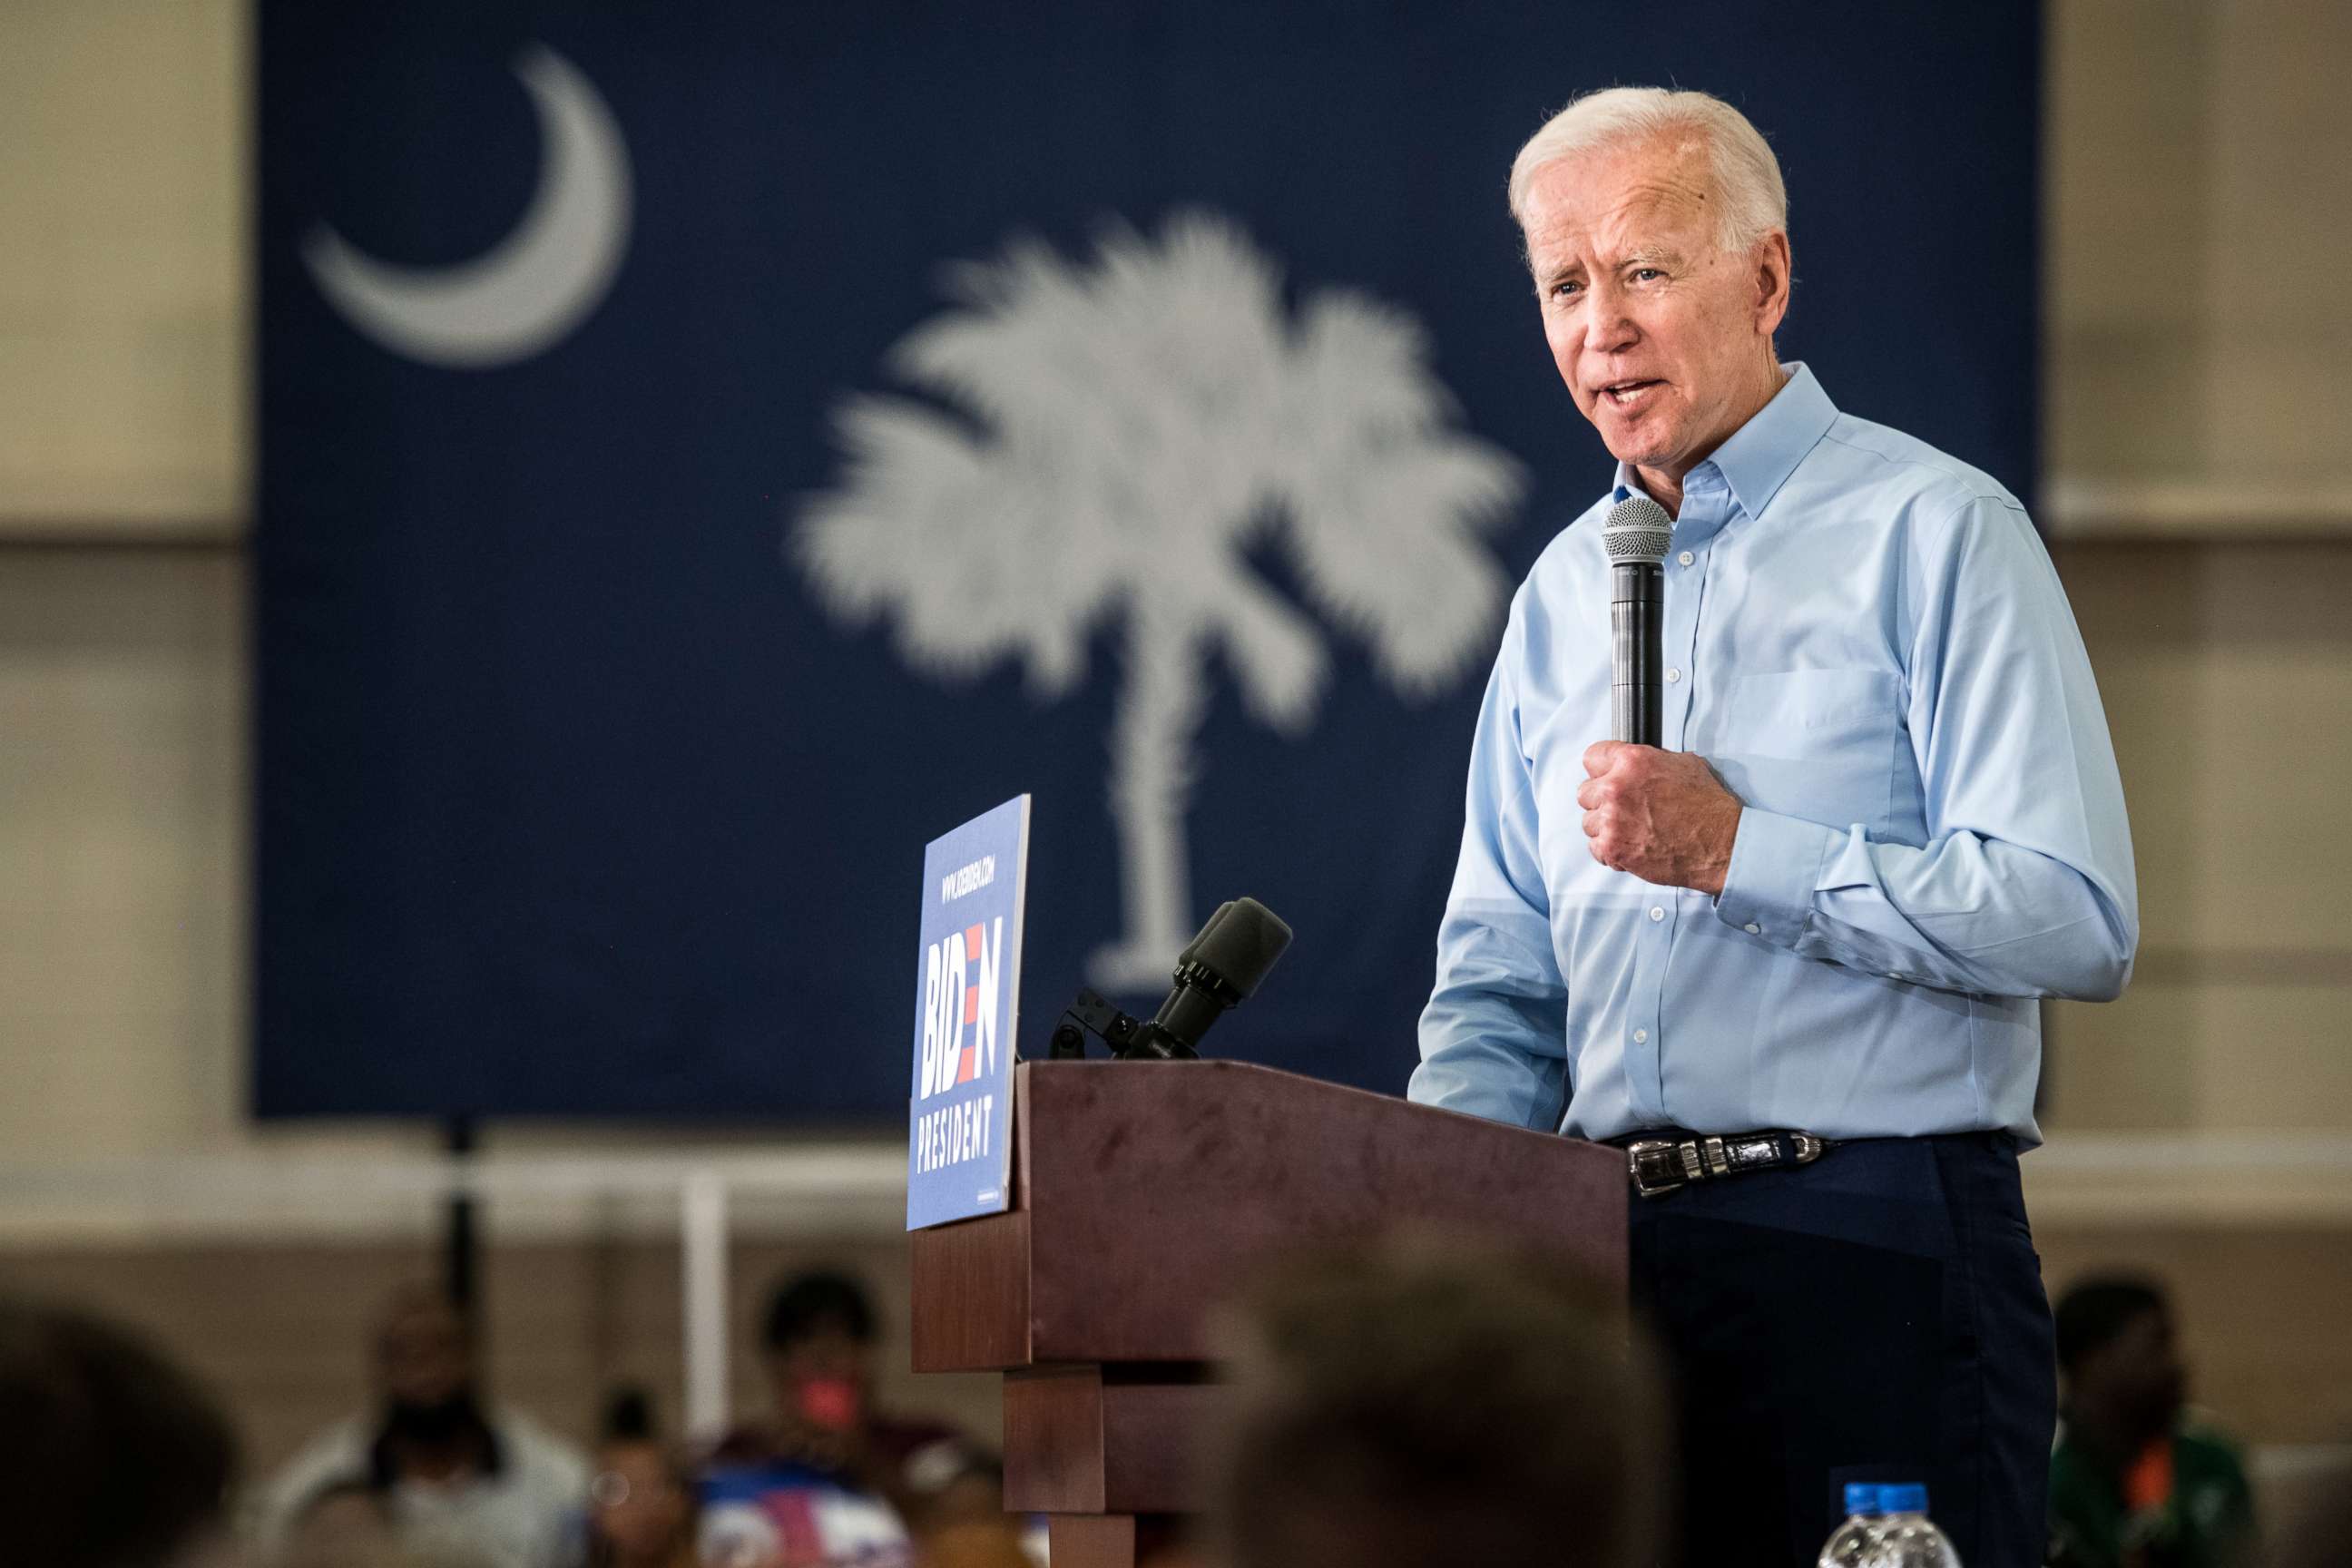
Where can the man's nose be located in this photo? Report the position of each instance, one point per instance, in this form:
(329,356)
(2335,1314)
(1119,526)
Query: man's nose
(1609,326)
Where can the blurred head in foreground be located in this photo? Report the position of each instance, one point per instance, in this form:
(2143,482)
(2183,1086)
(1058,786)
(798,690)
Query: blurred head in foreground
(109,1456)
(1421,1404)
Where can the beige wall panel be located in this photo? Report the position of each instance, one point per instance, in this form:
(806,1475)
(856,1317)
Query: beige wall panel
(2125,95)
(2226,671)
(2125,1064)
(2127,142)
(2276,410)
(2131,1063)
(122,265)
(2198,207)
(2275,748)
(2281,195)
(2274,1056)
(122,830)
(2280,162)
(2139,612)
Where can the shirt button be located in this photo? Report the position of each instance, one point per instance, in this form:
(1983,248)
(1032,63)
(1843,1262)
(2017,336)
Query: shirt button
(1752,929)
(1656,913)
(1673,675)
(1640,1035)
(1686,558)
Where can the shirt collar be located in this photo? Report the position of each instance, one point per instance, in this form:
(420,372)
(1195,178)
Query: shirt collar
(1760,455)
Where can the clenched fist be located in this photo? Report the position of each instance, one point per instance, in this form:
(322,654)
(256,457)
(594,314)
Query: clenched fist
(1662,815)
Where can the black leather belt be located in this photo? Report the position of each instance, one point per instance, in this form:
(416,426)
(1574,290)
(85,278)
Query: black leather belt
(1663,1160)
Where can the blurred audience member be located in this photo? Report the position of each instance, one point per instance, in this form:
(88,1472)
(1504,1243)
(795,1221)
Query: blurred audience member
(954,1505)
(457,1481)
(642,1510)
(343,1524)
(823,1480)
(2134,1482)
(109,1456)
(1418,1405)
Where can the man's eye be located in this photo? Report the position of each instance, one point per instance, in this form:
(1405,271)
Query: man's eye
(1641,274)
(1566,286)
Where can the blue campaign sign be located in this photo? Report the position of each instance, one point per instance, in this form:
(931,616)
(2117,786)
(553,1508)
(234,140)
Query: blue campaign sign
(967,988)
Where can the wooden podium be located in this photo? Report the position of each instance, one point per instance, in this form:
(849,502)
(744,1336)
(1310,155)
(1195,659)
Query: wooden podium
(1142,1193)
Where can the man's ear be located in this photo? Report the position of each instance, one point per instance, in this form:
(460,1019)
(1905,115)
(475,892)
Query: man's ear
(1769,264)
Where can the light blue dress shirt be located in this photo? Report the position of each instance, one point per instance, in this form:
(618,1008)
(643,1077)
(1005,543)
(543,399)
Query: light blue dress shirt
(1867,640)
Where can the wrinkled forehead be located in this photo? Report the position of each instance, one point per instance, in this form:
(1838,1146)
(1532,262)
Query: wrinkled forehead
(1614,200)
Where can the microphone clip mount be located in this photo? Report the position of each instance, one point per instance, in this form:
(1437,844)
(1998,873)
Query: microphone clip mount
(1129,1037)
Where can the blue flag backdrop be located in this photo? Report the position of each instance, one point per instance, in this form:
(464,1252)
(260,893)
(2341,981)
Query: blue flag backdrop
(708,450)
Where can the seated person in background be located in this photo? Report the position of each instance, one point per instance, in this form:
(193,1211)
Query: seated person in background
(109,1456)
(461,1482)
(823,1480)
(955,1509)
(343,1524)
(2135,1482)
(1423,1405)
(642,1510)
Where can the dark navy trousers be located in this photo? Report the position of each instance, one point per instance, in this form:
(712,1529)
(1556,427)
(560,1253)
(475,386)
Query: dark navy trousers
(1877,1315)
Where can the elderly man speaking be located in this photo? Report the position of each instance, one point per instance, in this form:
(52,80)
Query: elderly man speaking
(1791,959)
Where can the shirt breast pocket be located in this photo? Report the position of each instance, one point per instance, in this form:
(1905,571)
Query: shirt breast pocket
(1821,744)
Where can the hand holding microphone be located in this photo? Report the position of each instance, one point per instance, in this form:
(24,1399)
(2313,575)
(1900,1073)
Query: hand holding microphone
(1663,816)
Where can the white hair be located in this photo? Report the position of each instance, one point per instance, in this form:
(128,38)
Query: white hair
(1747,177)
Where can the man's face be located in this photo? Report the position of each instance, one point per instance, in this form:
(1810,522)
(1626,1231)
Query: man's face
(1662,339)
(824,1380)
(422,1359)
(636,1500)
(2139,1373)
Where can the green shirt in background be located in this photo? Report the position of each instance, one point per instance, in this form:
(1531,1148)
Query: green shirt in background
(2199,1513)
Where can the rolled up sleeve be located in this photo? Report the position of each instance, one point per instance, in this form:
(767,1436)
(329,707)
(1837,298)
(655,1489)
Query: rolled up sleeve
(2026,885)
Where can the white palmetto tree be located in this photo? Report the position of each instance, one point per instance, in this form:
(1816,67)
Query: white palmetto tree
(1128,430)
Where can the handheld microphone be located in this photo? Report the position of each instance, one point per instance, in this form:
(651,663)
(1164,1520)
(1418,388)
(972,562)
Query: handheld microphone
(1635,535)
(1217,969)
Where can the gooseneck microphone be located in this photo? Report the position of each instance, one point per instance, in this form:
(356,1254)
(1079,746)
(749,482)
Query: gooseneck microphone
(1217,969)
(1635,535)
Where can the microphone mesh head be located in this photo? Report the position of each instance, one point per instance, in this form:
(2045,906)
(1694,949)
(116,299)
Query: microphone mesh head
(1208,929)
(1239,943)
(1637,529)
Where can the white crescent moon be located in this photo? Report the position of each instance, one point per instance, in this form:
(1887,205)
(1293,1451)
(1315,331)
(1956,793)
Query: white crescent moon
(528,292)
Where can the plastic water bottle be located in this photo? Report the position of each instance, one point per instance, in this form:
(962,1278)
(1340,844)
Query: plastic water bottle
(1907,1538)
(1850,1545)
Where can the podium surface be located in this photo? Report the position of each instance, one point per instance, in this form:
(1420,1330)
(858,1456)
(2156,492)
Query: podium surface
(1144,1194)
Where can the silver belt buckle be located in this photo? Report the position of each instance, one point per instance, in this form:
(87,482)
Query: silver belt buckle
(1656,1167)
